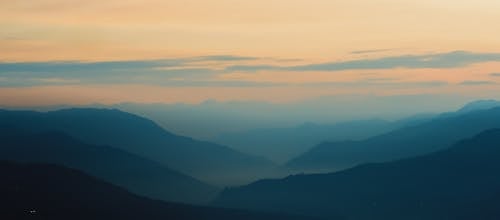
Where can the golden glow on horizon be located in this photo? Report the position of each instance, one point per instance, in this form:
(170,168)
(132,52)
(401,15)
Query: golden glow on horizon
(114,94)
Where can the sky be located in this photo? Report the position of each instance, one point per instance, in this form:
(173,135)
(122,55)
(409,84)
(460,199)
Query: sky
(75,52)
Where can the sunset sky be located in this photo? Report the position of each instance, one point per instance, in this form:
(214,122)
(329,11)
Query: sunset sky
(79,52)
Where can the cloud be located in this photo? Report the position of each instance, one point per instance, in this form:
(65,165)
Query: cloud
(219,83)
(380,79)
(72,66)
(347,84)
(251,68)
(370,51)
(195,72)
(443,60)
(495,74)
(474,83)
(129,71)
(176,72)
(367,83)
(76,66)
(139,71)
(226,58)
(440,60)
(36,81)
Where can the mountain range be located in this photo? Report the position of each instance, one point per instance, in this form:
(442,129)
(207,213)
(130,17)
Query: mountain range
(135,173)
(418,139)
(283,144)
(454,183)
(450,170)
(45,191)
(209,162)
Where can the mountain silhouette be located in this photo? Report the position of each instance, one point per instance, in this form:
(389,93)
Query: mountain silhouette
(137,174)
(440,185)
(207,161)
(405,142)
(479,105)
(44,191)
(282,144)
(486,209)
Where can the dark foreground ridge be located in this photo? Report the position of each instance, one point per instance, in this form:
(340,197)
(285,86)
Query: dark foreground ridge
(450,184)
(42,191)
(135,173)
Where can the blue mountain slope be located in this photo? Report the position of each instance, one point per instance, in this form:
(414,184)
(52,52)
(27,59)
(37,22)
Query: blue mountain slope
(207,161)
(135,173)
(435,186)
(404,142)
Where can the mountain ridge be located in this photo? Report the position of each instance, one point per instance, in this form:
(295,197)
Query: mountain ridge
(408,141)
(48,191)
(212,163)
(433,186)
(119,167)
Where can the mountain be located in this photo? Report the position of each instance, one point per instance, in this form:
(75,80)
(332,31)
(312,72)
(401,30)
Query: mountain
(479,105)
(283,144)
(137,174)
(207,161)
(486,209)
(42,191)
(408,141)
(203,120)
(435,186)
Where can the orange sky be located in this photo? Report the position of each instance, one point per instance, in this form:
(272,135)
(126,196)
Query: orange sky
(277,33)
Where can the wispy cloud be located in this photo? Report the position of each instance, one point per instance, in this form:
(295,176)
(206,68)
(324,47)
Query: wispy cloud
(226,58)
(495,74)
(73,72)
(474,83)
(219,83)
(203,70)
(440,60)
(366,83)
(26,82)
(370,51)
(75,66)
(443,60)
(130,71)
(252,68)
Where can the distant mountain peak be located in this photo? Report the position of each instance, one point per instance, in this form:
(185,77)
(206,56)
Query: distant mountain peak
(479,105)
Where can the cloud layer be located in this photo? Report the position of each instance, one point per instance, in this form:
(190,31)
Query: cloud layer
(440,60)
(206,71)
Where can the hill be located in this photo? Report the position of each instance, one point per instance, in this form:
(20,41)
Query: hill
(135,173)
(439,185)
(405,142)
(282,144)
(207,161)
(42,191)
